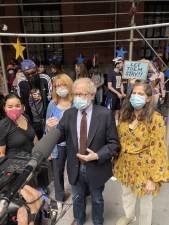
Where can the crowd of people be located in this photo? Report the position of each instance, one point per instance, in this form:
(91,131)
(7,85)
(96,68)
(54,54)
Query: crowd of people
(103,120)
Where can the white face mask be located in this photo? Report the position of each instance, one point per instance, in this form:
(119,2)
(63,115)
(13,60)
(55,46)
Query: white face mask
(62,91)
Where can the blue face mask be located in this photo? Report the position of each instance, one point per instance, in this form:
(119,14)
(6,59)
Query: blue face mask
(80,103)
(137,101)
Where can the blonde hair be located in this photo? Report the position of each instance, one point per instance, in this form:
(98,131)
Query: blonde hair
(89,84)
(62,80)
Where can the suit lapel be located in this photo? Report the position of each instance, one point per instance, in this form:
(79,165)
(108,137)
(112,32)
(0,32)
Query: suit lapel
(74,129)
(93,126)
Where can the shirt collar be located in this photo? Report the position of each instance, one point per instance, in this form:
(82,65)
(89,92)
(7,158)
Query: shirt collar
(88,110)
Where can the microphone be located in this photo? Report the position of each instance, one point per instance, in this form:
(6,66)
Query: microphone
(40,152)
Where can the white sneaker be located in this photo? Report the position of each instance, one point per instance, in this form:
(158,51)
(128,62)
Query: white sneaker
(113,178)
(125,221)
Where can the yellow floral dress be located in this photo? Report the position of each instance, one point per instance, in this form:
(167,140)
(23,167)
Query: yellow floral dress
(143,155)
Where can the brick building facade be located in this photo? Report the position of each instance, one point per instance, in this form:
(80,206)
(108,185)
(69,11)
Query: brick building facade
(51,20)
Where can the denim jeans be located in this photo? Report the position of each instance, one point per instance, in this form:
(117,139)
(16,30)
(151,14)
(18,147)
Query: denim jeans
(80,191)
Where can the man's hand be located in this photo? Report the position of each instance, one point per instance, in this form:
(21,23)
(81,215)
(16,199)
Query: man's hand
(29,194)
(90,157)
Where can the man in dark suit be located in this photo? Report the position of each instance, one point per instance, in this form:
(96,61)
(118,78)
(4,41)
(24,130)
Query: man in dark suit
(91,140)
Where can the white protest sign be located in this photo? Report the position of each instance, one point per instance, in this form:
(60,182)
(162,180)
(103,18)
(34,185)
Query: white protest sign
(135,70)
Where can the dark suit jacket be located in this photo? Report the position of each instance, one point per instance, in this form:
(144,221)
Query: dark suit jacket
(102,138)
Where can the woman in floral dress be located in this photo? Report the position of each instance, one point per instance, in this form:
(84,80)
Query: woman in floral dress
(143,163)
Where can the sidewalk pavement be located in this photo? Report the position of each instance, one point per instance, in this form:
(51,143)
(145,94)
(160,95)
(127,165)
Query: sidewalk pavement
(113,207)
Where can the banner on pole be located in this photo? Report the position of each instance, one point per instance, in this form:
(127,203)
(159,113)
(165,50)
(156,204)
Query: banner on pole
(135,70)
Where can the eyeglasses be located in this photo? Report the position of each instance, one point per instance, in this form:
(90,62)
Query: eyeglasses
(81,94)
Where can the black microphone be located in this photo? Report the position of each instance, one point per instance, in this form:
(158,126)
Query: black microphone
(40,152)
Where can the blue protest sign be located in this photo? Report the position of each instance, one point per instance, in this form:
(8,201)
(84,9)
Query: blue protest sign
(135,70)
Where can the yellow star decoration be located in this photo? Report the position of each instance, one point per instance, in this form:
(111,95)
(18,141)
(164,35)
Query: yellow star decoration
(19,49)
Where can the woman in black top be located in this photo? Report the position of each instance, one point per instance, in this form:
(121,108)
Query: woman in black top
(16,134)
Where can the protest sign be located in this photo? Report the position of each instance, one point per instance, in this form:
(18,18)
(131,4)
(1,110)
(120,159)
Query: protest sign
(135,70)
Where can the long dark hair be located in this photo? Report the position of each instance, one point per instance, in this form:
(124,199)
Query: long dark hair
(127,111)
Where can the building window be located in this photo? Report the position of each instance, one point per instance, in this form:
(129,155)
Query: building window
(160,32)
(42,20)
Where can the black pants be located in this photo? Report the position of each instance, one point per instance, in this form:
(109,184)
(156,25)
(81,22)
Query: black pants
(58,172)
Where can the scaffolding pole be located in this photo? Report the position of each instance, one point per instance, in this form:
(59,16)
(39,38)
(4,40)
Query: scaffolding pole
(115,25)
(83,33)
(132,33)
(142,36)
(3,69)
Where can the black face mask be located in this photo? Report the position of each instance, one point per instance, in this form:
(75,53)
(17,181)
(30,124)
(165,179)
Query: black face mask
(34,81)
